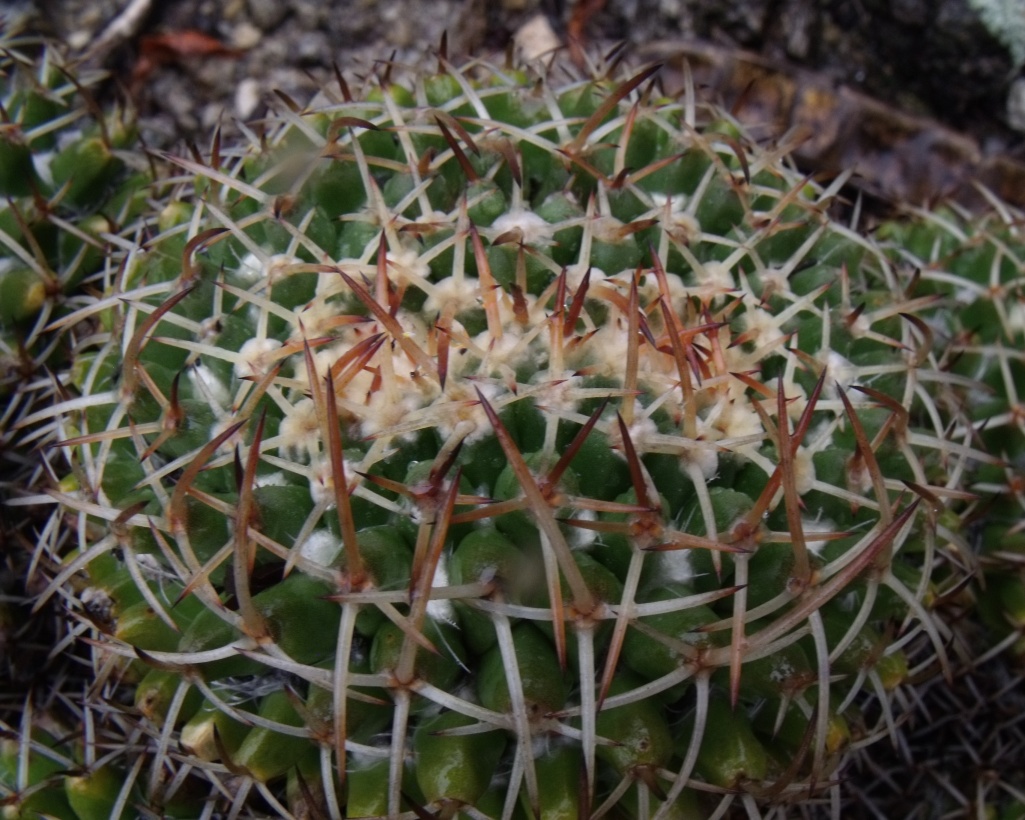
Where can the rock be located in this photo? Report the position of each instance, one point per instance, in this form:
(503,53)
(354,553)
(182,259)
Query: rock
(268,14)
(312,48)
(1016,105)
(536,39)
(247,98)
(245,35)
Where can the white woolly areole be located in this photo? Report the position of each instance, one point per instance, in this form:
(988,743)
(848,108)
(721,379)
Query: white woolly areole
(842,373)
(150,566)
(210,329)
(685,228)
(407,266)
(557,396)
(279,266)
(205,380)
(299,431)
(609,350)
(315,320)
(642,432)
(253,269)
(322,482)
(682,227)
(797,399)
(820,525)
(730,419)
(96,597)
(1005,20)
(1015,315)
(860,326)
(533,228)
(675,565)
(509,351)
(321,547)
(774,280)
(579,537)
(329,285)
(716,275)
(676,202)
(254,358)
(464,417)
(576,272)
(705,457)
(461,294)
(607,229)
(233,441)
(250,268)
(761,325)
(859,479)
(385,411)
(323,358)
(782,672)
(650,292)
(441,608)
(804,470)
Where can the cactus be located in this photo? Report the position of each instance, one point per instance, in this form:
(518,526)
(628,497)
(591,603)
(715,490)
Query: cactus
(483,446)
(67,183)
(976,750)
(982,343)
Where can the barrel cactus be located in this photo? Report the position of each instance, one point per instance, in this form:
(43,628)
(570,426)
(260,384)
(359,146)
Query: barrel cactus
(482,446)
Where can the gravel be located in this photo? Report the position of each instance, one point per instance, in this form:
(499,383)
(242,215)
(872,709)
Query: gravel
(930,57)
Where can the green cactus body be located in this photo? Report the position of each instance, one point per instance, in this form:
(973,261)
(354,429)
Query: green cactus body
(982,342)
(517,410)
(67,185)
(31,782)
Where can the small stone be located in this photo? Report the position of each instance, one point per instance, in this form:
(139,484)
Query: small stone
(1016,105)
(267,14)
(245,35)
(311,48)
(310,13)
(247,98)
(400,32)
(78,40)
(536,39)
(211,115)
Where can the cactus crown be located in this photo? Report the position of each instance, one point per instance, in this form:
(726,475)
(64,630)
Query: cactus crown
(518,450)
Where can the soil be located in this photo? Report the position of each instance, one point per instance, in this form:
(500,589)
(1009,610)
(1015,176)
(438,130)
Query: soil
(923,57)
